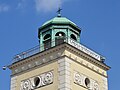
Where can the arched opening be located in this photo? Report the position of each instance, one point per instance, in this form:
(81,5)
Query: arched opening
(47,41)
(73,37)
(87,82)
(37,81)
(59,38)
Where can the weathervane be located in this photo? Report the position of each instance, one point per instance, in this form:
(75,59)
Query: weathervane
(59,12)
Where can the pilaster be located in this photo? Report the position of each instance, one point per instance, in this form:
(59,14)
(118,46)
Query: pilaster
(64,74)
(13,83)
(105,83)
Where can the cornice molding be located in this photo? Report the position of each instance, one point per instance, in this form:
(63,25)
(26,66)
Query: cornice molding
(59,51)
(86,57)
(36,56)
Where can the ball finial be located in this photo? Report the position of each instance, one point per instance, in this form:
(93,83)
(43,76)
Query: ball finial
(4,67)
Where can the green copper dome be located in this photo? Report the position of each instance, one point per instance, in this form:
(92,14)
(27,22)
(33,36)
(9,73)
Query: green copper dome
(59,20)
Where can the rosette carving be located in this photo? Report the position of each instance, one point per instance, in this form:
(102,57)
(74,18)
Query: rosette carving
(48,78)
(25,85)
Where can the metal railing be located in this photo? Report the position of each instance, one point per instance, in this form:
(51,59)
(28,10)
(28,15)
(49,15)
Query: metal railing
(40,48)
(26,54)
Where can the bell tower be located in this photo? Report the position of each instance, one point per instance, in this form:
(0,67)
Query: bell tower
(56,31)
(59,62)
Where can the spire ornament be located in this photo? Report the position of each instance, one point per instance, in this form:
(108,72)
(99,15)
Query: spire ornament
(59,12)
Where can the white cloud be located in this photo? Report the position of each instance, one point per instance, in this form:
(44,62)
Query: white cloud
(47,5)
(4,8)
(21,4)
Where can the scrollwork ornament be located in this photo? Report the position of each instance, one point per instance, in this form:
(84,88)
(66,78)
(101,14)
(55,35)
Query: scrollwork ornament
(95,87)
(77,78)
(37,81)
(48,78)
(25,85)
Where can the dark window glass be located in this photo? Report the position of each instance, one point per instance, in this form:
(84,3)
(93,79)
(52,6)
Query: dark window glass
(47,41)
(47,44)
(73,37)
(36,81)
(59,38)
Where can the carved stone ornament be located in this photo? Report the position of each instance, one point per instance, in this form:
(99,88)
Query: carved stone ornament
(25,85)
(77,78)
(85,81)
(95,86)
(48,78)
(37,81)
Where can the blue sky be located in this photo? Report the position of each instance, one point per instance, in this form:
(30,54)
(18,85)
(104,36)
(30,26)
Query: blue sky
(99,20)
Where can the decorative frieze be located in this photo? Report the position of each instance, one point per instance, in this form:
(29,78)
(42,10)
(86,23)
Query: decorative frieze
(85,81)
(37,81)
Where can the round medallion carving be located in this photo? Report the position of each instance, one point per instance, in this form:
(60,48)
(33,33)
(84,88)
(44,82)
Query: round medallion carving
(48,78)
(26,85)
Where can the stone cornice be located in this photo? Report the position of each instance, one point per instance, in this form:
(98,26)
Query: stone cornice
(60,49)
(86,57)
(36,56)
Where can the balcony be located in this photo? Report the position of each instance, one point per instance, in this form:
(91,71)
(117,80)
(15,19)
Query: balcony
(54,43)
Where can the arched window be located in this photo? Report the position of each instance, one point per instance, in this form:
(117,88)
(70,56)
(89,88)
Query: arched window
(47,36)
(59,38)
(47,41)
(73,37)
